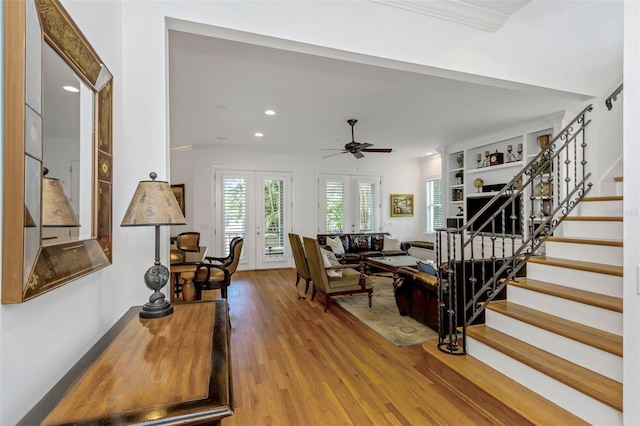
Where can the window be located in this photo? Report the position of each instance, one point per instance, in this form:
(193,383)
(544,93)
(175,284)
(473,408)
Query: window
(434,204)
(348,203)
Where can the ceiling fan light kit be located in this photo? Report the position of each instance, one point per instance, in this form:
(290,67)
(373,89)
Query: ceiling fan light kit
(357,148)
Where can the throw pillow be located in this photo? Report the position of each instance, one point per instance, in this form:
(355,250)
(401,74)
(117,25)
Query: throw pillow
(330,260)
(427,268)
(391,244)
(336,245)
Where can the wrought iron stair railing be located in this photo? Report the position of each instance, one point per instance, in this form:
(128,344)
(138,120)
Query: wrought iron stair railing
(478,259)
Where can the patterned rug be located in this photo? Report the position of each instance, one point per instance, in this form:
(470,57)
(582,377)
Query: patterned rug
(383,316)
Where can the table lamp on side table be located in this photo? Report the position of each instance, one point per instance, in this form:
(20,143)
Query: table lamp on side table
(153,204)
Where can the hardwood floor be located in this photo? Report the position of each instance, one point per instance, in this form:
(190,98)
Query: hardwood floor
(295,365)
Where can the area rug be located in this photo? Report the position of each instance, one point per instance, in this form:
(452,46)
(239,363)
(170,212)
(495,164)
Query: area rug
(383,316)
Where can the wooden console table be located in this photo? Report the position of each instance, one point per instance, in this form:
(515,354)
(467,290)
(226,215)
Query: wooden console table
(162,371)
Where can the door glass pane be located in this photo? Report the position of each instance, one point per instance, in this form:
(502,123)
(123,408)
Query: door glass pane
(366,206)
(335,206)
(274,218)
(234,210)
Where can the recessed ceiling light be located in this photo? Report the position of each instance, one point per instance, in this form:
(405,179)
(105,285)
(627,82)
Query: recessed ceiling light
(71,89)
(258,134)
(270,112)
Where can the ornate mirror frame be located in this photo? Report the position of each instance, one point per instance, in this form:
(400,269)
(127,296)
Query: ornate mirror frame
(29,268)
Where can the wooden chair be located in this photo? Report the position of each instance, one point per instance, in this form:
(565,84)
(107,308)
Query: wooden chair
(300,260)
(185,242)
(188,241)
(212,276)
(225,261)
(351,282)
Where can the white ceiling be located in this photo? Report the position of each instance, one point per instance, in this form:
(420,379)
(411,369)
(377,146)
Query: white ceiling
(219,90)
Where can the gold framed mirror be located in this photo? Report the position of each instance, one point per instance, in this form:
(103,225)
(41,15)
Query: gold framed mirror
(36,257)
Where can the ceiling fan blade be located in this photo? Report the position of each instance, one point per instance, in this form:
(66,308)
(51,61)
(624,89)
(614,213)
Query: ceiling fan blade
(387,150)
(358,154)
(363,145)
(337,153)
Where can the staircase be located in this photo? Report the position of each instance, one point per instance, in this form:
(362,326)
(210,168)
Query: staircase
(551,353)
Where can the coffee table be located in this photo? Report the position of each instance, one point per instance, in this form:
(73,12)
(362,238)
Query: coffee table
(392,263)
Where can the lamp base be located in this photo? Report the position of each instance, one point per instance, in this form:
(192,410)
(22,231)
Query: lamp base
(155,278)
(156,310)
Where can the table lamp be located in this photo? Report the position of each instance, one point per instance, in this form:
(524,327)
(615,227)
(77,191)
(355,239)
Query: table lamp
(153,204)
(56,207)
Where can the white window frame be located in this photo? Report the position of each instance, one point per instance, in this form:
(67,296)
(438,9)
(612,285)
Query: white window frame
(350,222)
(430,205)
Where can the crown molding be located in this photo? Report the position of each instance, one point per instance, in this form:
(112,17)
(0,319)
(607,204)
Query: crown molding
(474,14)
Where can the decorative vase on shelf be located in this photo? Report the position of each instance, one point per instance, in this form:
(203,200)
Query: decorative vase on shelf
(543,141)
(460,160)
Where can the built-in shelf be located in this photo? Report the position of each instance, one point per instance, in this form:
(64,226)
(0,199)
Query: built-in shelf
(498,167)
(482,194)
(461,171)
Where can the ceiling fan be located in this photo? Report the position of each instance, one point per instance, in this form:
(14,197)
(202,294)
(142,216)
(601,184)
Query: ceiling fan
(357,148)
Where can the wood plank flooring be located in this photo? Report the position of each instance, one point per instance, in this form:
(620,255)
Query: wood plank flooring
(295,365)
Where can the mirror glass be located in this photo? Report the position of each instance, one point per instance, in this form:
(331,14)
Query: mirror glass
(57,152)
(67,119)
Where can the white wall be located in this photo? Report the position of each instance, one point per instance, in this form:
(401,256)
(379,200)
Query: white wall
(43,338)
(557,44)
(398,176)
(631,306)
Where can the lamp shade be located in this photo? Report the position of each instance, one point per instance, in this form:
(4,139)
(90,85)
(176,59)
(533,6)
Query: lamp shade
(153,204)
(56,207)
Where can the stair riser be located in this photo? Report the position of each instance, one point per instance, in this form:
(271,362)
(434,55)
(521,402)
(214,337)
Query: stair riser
(591,316)
(585,252)
(609,285)
(586,356)
(587,408)
(599,208)
(592,229)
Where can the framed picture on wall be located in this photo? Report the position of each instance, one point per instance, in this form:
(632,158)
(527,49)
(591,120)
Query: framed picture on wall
(178,191)
(401,204)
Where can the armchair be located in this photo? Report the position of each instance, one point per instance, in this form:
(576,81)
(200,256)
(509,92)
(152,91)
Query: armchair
(211,276)
(225,261)
(300,259)
(350,282)
(188,241)
(185,242)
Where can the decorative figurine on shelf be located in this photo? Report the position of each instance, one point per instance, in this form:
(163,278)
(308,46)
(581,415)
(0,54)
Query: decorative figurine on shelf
(479,160)
(478,183)
(460,160)
(459,177)
(519,157)
(484,163)
(460,211)
(510,155)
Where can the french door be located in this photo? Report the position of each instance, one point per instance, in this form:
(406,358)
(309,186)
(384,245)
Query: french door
(254,205)
(348,203)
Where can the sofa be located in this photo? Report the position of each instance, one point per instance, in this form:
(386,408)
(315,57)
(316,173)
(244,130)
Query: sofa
(358,246)
(416,292)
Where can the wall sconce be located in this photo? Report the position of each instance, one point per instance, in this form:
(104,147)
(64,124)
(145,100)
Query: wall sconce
(153,204)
